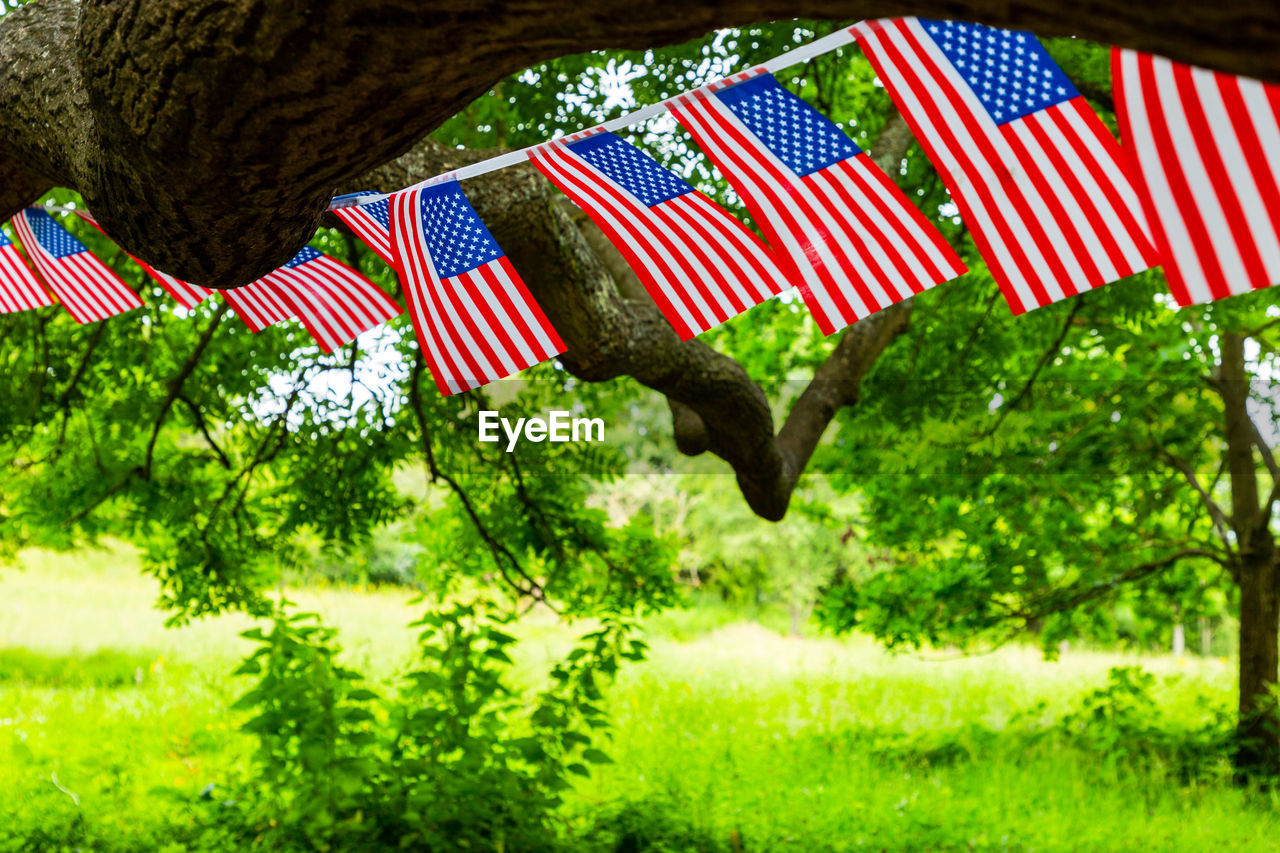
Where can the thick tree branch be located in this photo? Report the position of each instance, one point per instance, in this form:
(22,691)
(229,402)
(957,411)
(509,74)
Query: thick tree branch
(207,135)
(612,328)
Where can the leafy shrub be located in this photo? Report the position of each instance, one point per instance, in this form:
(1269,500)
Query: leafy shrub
(1122,722)
(452,759)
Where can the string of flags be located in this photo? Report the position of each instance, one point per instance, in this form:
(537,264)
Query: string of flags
(1055,204)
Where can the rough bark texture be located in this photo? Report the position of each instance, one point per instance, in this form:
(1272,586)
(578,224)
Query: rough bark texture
(207,135)
(1259,751)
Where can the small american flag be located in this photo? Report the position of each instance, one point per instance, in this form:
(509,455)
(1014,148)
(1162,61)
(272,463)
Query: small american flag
(371,222)
(1207,147)
(186,295)
(87,287)
(1038,179)
(700,265)
(852,240)
(475,319)
(332,300)
(19,287)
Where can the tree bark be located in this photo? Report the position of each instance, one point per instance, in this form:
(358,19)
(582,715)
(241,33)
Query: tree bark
(208,135)
(1258,751)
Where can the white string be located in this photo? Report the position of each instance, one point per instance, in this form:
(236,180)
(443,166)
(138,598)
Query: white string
(805,52)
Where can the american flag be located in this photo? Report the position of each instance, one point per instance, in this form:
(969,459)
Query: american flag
(1036,176)
(186,295)
(371,222)
(476,321)
(19,287)
(700,265)
(852,240)
(1207,147)
(87,287)
(332,300)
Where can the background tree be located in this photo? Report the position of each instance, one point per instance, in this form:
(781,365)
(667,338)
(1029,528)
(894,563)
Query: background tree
(207,138)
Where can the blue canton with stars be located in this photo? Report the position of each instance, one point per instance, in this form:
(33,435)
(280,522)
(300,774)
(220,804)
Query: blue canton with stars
(307,254)
(51,236)
(4,239)
(629,167)
(456,238)
(798,135)
(1010,72)
(379,210)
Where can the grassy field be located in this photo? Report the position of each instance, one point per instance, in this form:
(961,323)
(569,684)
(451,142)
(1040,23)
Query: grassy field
(731,737)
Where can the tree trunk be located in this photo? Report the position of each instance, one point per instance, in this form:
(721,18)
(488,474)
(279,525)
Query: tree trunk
(1258,752)
(1206,637)
(1179,645)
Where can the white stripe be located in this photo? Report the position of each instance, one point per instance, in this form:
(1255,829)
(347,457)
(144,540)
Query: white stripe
(737,272)
(922,252)
(545,346)
(676,234)
(892,284)
(745,249)
(472,281)
(81,284)
(1264,121)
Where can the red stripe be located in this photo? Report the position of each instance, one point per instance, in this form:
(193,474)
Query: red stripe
(549,330)
(849,212)
(310,305)
(760,269)
(696,277)
(1075,208)
(506,320)
(1027,156)
(856,200)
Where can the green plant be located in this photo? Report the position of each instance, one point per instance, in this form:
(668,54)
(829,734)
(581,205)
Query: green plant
(457,758)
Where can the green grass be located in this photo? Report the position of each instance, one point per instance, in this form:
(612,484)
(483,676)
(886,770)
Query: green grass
(730,737)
